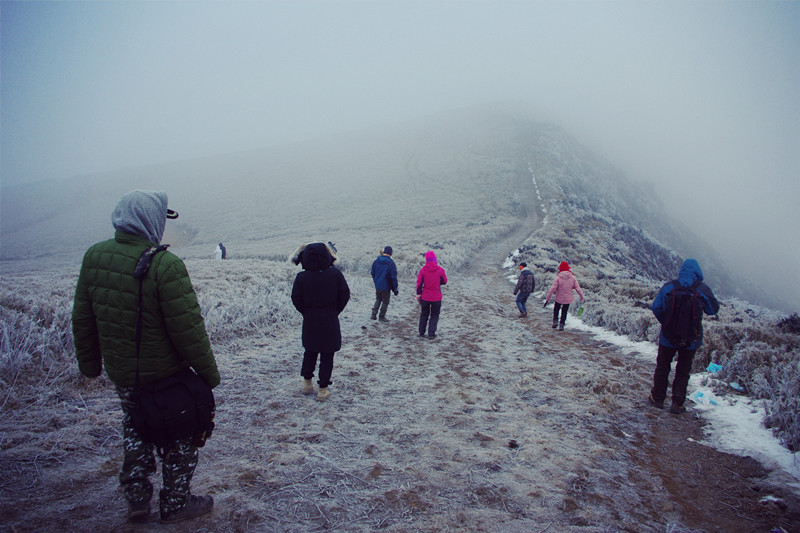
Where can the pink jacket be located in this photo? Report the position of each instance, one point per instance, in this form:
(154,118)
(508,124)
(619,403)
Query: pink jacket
(563,286)
(430,279)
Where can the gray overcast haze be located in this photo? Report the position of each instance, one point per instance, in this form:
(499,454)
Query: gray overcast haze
(700,98)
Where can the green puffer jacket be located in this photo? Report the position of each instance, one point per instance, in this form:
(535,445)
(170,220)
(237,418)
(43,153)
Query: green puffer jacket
(105,308)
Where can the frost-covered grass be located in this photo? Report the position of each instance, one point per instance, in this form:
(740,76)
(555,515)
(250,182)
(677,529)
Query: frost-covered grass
(451,193)
(36,350)
(764,358)
(244,298)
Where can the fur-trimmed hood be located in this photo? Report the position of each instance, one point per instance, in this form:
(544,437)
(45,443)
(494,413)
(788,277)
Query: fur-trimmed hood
(316,256)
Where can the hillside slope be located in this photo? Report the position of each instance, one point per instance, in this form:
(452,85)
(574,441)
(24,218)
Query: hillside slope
(462,177)
(433,178)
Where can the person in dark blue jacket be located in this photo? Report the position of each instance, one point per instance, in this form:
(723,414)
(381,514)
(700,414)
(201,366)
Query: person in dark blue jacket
(666,310)
(384,275)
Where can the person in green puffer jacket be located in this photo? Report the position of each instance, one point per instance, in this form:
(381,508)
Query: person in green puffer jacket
(173,338)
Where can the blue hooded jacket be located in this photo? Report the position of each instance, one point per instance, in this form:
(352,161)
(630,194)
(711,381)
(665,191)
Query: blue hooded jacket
(688,274)
(384,273)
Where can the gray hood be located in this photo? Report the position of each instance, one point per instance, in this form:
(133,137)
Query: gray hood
(142,213)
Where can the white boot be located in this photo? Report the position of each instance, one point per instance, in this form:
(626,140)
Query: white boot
(308,386)
(323,394)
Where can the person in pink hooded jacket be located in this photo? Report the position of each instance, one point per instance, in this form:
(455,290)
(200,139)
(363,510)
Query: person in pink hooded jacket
(563,286)
(430,279)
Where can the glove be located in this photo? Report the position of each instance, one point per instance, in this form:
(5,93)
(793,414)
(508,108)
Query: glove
(396,292)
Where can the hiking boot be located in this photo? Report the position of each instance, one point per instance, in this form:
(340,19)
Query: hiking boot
(555,324)
(138,511)
(432,336)
(308,386)
(374,316)
(323,394)
(561,327)
(676,409)
(654,403)
(195,506)
(384,319)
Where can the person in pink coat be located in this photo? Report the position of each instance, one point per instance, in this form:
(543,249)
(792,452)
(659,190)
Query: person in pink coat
(430,279)
(563,286)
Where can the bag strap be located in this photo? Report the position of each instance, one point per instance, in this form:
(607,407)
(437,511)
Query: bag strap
(142,266)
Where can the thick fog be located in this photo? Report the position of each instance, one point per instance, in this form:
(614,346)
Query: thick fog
(701,98)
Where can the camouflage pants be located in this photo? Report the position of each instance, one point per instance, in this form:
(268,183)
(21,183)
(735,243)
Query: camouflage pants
(138,464)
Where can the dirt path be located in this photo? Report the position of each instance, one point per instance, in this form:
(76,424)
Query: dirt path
(609,458)
(500,424)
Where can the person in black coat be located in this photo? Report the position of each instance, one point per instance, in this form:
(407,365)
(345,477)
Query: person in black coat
(320,293)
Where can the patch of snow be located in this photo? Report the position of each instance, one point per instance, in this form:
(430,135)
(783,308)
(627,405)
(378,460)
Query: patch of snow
(735,427)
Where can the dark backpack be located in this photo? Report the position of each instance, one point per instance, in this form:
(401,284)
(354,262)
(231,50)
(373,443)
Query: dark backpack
(683,315)
(528,281)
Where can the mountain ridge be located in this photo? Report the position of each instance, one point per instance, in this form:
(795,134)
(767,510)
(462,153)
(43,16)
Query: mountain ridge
(452,169)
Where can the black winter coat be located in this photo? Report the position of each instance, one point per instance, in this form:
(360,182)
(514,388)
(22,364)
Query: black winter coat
(320,293)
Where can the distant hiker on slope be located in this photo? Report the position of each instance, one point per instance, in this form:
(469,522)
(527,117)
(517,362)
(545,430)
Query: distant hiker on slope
(525,286)
(218,252)
(679,307)
(563,286)
(320,293)
(384,276)
(430,279)
(173,339)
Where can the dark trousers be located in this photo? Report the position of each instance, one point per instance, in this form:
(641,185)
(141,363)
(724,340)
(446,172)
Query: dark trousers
(429,316)
(325,367)
(381,303)
(682,371)
(564,308)
(522,297)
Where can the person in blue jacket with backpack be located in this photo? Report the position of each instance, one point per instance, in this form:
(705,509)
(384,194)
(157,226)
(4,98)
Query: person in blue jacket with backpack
(384,275)
(679,308)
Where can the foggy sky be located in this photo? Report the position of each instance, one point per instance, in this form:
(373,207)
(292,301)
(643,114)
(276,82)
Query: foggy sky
(701,98)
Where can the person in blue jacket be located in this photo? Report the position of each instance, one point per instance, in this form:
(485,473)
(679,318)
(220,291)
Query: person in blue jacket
(384,275)
(666,312)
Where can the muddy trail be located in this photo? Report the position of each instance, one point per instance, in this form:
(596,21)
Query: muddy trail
(500,424)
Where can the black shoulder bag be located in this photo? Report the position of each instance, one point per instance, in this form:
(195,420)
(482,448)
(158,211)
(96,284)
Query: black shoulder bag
(176,407)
